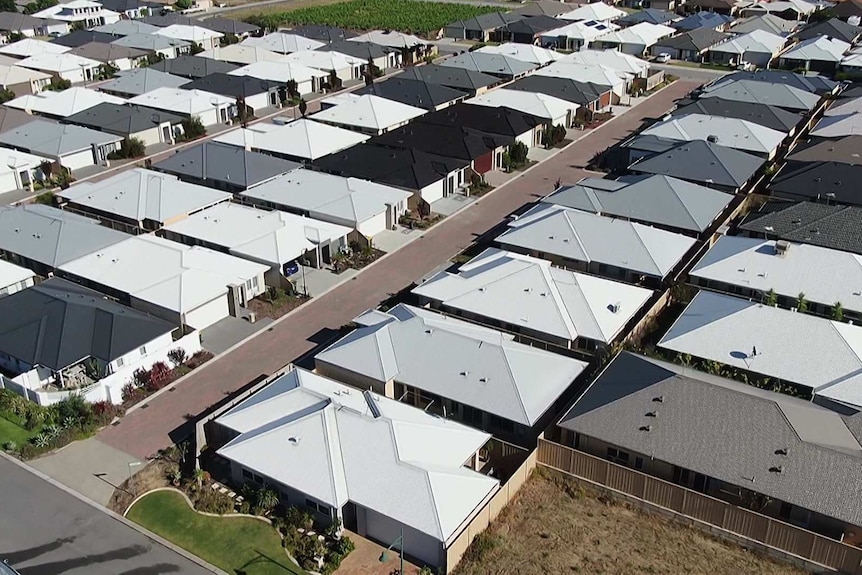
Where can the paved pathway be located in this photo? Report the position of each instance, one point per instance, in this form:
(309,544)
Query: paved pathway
(144,431)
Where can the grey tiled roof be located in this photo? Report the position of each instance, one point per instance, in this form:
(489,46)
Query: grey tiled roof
(834,226)
(58,323)
(762,114)
(819,181)
(727,430)
(703,162)
(225,164)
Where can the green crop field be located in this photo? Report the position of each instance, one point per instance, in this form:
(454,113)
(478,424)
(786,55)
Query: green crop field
(410,16)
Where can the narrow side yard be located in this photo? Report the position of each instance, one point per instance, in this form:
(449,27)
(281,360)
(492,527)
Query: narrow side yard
(235,544)
(556,526)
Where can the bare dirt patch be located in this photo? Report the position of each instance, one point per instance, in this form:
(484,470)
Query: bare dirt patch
(556,526)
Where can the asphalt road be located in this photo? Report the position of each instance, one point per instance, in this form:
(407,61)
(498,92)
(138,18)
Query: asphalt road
(46,531)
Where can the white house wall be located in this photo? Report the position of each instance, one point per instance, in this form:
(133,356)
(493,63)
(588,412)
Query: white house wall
(149,136)
(373,226)
(385,530)
(258,101)
(433,192)
(78,160)
(208,314)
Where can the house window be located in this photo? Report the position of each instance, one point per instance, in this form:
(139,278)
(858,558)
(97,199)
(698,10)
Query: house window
(143,350)
(317,507)
(246,474)
(254,282)
(618,455)
(639,462)
(248,286)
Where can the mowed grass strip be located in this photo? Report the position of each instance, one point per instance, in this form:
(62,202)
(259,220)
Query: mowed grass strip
(234,544)
(13,432)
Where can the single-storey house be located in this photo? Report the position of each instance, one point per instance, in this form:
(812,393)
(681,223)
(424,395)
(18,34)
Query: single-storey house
(455,369)
(21,81)
(145,124)
(275,239)
(42,238)
(126,28)
(29,26)
(656,200)
(208,107)
(65,66)
(234,27)
(131,83)
(301,140)
(752,268)
(691,45)
(804,458)
(763,92)
(60,336)
(818,54)
(757,48)
(59,105)
(257,94)
(816,355)
(412,48)
(505,121)
(705,163)
(428,176)
(765,22)
(170,48)
(528,30)
(819,181)
(367,207)
(324,32)
(482,28)
(598,11)
(20,171)
(241,54)
(832,28)
(308,80)
(634,40)
(764,115)
(529,53)
(283,42)
(808,223)
(381,57)
(599,75)
(729,132)
(575,35)
(27,47)
(417,93)
(605,246)
(651,15)
(221,166)
(71,147)
(705,19)
(470,81)
(188,286)
(121,57)
(550,109)
(206,39)
(812,83)
(589,97)
(498,65)
(344,67)
(843,150)
(356,457)
(529,296)
(368,114)
(139,201)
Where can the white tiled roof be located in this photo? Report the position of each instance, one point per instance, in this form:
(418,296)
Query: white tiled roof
(338,444)
(299,139)
(65,103)
(530,292)
(369,112)
(594,11)
(730,132)
(283,43)
(537,104)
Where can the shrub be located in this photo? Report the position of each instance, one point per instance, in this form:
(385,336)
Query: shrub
(211,501)
(554,135)
(245,507)
(74,409)
(160,376)
(46,199)
(104,412)
(193,128)
(518,153)
(133,148)
(10,446)
(132,394)
(199,359)
(141,377)
(177,356)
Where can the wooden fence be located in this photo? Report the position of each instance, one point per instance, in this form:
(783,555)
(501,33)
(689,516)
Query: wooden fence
(492,508)
(750,528)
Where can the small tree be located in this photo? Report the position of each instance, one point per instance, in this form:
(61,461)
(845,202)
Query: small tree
(58,85)
(837,311)
(6,95)
(177,356)
(801,303)
(554,135)
(183,4)
(303,107)
(46,199)
(771,298)
(193,128)
(517,154)
(266,501)
(107,70)
(334,81)
(506,161)
(291,88)
(8,6)
(228,39)
(154,58)
(160,376)
(47,168)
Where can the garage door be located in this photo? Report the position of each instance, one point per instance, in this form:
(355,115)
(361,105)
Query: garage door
(208,314)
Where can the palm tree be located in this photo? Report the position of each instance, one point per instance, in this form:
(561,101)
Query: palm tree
(837,311)
(267,499)
(771,298)
(801,303)
(200,474)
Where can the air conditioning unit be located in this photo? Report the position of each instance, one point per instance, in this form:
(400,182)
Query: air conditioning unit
(781,247)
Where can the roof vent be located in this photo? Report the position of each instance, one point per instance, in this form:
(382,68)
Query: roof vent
(615,307)
(658,399)
(712,138)
(465,373)
(429,331)
(776,469)
(483,380)
(646,427)
(651,414)
(293,440)
(781,247)
(782,451)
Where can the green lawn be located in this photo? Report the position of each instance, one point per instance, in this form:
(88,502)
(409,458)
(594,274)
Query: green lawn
(237,545)
(10,431)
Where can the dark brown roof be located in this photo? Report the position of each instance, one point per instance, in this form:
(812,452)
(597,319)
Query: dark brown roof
(846,150)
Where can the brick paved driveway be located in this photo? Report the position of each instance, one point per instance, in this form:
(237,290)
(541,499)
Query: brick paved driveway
(144,431)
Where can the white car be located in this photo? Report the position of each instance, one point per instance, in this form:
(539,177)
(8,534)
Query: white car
(663,58)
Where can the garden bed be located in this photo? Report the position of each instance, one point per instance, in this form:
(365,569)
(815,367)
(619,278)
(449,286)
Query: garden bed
(356,259)
(148,381)
(276,303)
(414,221)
